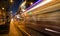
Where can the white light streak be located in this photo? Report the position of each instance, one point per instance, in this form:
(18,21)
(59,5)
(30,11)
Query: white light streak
(39,5)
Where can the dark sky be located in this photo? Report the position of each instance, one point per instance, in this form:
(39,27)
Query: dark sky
(16,5)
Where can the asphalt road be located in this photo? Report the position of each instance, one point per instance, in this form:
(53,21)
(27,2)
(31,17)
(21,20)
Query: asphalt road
(21,28)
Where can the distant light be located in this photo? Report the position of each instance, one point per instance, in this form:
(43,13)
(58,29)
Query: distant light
(10,11)
(12,19)
(31,3)
(11,1)
(2,8)
(18,16)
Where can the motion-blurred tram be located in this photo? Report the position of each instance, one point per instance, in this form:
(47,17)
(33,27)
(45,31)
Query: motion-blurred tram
(45,16)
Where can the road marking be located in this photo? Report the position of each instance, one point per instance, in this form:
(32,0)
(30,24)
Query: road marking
(51,30)
(24,31)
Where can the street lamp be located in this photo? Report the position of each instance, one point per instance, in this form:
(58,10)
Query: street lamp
(2,8)
(31,3)
(11,1)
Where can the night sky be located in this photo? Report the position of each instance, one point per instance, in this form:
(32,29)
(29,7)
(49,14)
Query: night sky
(16,5)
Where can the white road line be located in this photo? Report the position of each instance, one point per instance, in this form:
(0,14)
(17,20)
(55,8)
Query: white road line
(51,30)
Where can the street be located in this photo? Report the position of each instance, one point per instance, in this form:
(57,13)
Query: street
(18,29)
(29,17)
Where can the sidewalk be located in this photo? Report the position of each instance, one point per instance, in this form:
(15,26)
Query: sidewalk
(21,26)
(13,30)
